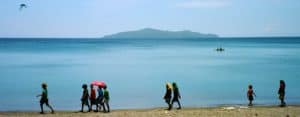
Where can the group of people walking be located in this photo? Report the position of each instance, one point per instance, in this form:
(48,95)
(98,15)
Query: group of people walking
(281,93)
(86,99)
(102,100)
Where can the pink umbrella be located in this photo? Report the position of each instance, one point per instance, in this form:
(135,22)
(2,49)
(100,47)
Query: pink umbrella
(98,83)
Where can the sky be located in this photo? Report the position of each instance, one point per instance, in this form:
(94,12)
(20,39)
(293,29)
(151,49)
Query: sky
(96,18)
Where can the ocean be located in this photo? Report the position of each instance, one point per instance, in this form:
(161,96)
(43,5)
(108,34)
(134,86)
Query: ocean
(136,71)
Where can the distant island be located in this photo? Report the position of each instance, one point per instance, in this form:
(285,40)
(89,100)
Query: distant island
(149,33)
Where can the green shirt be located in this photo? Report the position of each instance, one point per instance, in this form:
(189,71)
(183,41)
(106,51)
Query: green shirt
(106,94)
(85,94)
(45,94)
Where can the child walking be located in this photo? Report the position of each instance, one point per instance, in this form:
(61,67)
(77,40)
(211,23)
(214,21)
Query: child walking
(250,94)
(100,98)
(106,99)
(85,98)
(93,100)
(44,99)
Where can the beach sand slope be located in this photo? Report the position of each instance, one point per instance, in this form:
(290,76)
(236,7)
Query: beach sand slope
(290,111)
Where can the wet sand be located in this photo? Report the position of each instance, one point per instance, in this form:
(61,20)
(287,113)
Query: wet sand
(270,111)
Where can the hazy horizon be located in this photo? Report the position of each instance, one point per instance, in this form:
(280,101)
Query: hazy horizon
(96,18)
(103,37)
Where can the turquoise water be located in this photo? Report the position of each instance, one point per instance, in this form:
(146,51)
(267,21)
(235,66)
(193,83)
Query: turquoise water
(136,71)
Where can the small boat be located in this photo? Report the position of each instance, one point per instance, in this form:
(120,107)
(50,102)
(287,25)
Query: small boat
(220,49)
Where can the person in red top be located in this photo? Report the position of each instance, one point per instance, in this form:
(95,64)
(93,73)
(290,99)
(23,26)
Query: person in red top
(250,94)
(93,100)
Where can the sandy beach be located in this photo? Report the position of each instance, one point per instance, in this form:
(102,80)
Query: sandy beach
(270,111)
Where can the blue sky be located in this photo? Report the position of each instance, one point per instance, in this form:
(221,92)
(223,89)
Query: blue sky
(95,18)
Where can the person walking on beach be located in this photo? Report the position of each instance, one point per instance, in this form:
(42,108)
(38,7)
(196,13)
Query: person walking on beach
(250,94)
(85,98)
(44,99)
(100,98)
(93,100)
(106,99)
(176,95)
(281,92)
(168,95)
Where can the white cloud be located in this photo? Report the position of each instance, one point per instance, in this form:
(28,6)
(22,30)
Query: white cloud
(203,4)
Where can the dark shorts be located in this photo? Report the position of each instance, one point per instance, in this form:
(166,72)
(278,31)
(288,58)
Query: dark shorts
(44,101)
(175,100)
(93,101)
(85,101)
(250,98)
(168,100)
(281,96)
(105,100)
(100,100)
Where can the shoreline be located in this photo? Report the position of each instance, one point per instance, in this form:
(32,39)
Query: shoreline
(224,111)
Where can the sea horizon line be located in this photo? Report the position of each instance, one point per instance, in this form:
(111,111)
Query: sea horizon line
(246,37)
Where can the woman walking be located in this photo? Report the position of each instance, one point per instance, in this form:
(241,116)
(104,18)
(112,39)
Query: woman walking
(176,95)
(168,95)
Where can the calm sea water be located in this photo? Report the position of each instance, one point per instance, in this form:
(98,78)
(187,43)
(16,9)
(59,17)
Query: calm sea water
(136,71)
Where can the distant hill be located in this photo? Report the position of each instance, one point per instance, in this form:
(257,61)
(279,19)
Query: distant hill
(149,33)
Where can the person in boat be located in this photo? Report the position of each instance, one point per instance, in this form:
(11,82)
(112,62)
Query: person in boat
(22,6)
(220,49)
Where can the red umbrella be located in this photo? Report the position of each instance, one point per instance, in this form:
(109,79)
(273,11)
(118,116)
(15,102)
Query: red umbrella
(98,83)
